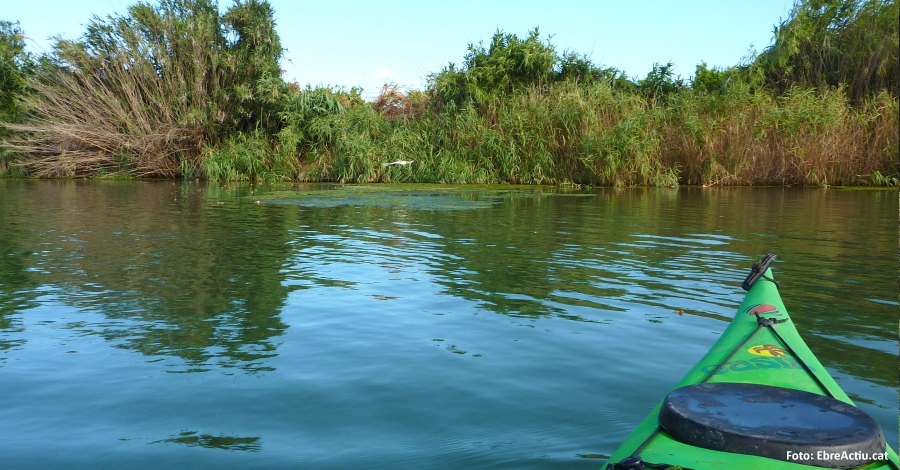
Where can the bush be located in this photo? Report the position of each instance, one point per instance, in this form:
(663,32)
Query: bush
(140,93)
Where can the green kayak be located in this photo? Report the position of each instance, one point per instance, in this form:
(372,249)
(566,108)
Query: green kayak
(758,400)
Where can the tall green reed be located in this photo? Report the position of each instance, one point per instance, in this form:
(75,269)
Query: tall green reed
(176,89)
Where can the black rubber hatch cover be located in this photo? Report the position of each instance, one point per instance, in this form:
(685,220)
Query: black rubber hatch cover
(771,422)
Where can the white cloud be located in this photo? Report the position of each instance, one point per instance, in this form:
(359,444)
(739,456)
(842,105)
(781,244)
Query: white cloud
(383,73)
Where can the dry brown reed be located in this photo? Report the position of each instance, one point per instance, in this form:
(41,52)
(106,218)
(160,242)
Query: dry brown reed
(106,122)
(807,137)
(142,94)
(392,102)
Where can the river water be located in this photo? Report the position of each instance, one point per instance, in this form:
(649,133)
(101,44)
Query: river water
(184,325)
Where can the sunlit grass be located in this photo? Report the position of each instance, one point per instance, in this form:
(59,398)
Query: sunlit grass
(178,90)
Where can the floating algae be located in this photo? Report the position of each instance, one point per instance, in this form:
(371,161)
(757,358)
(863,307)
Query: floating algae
(407,196)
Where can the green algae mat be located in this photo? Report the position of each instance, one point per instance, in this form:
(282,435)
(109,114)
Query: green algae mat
(406,196)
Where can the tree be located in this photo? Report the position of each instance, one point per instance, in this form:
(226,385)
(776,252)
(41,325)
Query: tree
(852,43)
(15,65)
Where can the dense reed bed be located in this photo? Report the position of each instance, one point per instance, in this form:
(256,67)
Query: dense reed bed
(177,90)
(144,93)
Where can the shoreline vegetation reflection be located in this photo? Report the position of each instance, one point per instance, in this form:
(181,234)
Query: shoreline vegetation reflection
(207,283)
(184,89)
(298,316)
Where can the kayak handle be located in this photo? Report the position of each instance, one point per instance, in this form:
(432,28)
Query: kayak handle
(758,270)
(768,321)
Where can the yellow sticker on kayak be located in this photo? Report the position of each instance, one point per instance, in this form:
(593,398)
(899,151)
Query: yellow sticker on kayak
(769,350)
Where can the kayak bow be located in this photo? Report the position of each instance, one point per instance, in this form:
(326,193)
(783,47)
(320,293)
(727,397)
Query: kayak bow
(758,400)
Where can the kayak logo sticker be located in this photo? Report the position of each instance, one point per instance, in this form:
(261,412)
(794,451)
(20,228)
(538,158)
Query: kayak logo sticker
(761,309)
(765,356)
(756,363)
(768,350)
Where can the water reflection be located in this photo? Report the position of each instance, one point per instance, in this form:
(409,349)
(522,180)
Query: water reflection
(466,309)
(193,282)
(18,285)
(671,250)
(202,273)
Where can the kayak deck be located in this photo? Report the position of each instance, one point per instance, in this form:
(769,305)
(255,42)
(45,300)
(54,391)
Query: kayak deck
(760,346)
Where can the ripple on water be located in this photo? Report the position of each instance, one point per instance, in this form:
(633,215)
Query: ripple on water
(401,326)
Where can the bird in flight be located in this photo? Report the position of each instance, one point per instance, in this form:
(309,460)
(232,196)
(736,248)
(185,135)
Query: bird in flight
(398,162)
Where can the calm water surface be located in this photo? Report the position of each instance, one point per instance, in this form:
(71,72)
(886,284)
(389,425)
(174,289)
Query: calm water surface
(169,325)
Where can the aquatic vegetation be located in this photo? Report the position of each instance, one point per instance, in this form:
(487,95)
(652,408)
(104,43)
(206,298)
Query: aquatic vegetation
(413,197)
(175,89)
(806,136)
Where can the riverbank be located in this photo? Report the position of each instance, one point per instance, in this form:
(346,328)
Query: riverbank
(803,112)
(566,133)
(589,134)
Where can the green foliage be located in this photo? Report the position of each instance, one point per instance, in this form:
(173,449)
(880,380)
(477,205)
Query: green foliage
(509,63)
(248,156)
(749,136)
(330,134)
(208,63)
(660,82)
(175,88)
(881,180)
(572,66)
(252,53)
(562,132)
(155,85)
(15,66)
(803,110)
(711,80)
(512,64)
(853,43)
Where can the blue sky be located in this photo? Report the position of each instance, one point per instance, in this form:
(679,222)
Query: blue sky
(367,43)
